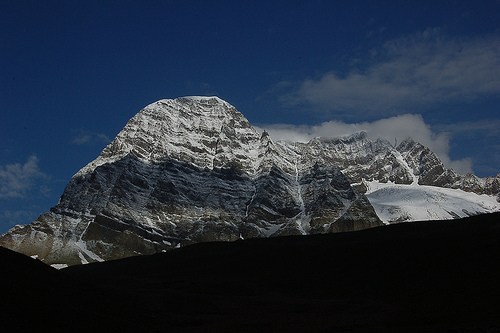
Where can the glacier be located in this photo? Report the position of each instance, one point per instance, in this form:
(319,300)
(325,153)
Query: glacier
(402,203)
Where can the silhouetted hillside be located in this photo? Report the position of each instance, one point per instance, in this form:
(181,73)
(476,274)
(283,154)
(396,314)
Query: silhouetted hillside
(414,277)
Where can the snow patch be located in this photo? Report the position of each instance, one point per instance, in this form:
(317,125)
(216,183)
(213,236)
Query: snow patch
(401,160)
(270,229)
(303,222)
(399,203)
(82,249)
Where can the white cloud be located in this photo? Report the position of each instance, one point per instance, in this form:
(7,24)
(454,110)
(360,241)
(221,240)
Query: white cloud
(16,179)
(407,73)
(85,137)
(393,129)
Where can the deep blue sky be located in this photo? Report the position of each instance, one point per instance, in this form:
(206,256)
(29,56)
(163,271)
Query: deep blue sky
(73,72)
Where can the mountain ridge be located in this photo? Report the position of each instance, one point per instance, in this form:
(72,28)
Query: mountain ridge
(193,169)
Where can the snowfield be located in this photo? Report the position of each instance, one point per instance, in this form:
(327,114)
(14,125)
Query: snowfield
(399,203)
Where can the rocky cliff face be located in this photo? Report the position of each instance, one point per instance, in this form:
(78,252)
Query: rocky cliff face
(193,169)
(190,170)
(363,159)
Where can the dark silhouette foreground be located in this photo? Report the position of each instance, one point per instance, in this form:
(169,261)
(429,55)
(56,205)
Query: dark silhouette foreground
(441,276)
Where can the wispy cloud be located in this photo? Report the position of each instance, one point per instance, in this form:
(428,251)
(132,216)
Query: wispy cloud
(406,73)
(394,129)
(82,137)
(9,218)
(16,179)
(486,128)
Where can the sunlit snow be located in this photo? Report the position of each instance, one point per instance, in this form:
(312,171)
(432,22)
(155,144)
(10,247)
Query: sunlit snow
(397,202)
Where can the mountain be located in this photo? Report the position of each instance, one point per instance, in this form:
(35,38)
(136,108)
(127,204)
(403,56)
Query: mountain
(193,169)
(409,277)
(361,158)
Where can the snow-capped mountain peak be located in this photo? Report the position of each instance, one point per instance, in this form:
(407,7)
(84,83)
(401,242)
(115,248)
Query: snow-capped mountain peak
(199,130)
(193,169)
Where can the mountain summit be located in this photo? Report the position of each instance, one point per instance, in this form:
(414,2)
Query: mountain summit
(193,169)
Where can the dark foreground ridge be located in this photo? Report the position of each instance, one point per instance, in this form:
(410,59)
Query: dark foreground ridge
(416,277)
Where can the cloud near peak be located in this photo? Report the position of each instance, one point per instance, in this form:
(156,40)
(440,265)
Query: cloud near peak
(82,137)
(392,129)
